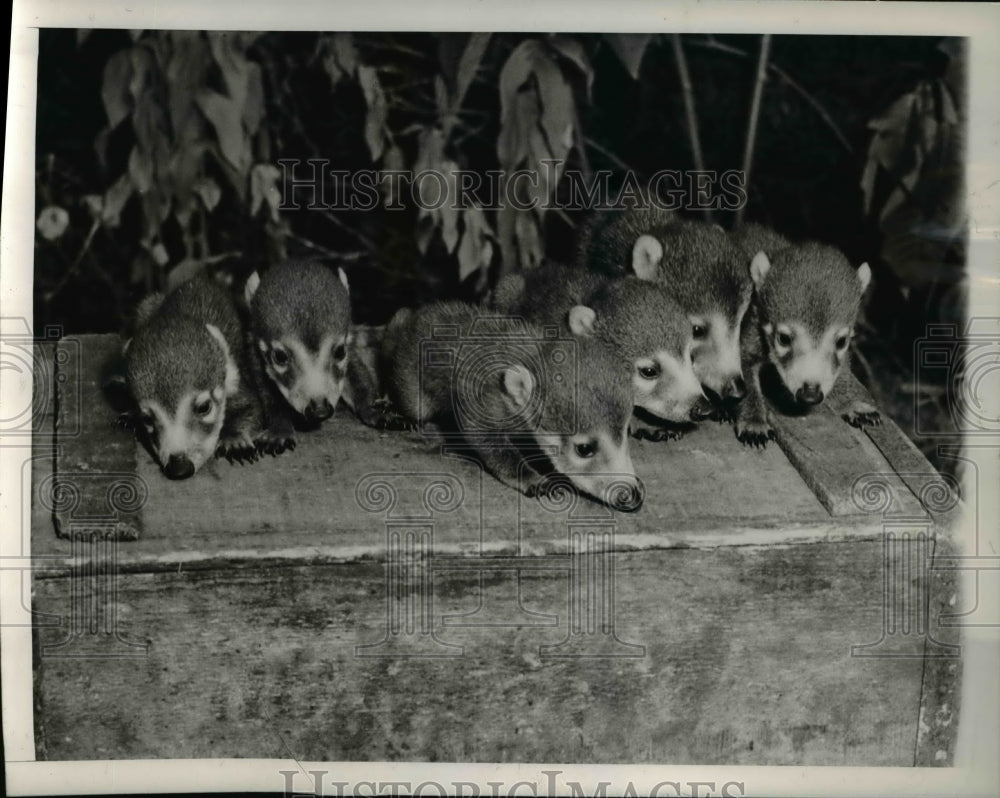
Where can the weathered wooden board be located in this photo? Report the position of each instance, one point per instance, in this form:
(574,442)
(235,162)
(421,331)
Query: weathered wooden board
(745,658)
(703,490)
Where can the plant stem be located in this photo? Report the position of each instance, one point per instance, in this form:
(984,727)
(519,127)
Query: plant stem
(758,90)
(712,44)
(689,110)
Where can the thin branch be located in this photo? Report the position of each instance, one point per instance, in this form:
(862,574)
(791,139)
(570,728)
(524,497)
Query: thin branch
(607,154)
(758,91)
(75,265)
(347,228)
(712,44)
(687,91)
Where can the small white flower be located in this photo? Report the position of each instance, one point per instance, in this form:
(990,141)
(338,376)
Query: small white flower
(52,222)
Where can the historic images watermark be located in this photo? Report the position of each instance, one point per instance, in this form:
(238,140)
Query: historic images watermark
(313,184)
(548,782)
(92,510)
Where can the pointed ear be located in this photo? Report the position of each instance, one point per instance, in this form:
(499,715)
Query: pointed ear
(343,278)
(759,267)
(518,385)
(864,276)
(253,283)
(581,320)
(646,256)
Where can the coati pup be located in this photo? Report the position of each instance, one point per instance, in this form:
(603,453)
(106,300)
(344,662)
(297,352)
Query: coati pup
(806,301)
(533,405)
(701,268)
(189,374)
(300,318)
(636,318)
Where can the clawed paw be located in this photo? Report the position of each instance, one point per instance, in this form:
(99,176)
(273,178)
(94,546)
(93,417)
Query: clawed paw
(862,415)
(754,433)
(275,442)
(656,434)
(238,448)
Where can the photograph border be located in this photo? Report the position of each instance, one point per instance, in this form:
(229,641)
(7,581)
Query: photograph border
(975,771)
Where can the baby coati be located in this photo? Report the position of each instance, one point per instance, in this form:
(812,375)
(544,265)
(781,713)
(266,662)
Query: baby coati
(531,403)
(701,268)
(638,319)
(799,328)
(189,375)
(300,318)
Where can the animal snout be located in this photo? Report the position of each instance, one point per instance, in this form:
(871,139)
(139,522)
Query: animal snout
(700,410)
(734,390)
(319,409)
(809,394)
(178,466)
(627,498)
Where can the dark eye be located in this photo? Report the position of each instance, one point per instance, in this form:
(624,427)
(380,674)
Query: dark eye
(586,450)
(279,357)
(784,339)
(203,408)
(146,419)
(649,372)
(841,341)
(340,353)
(699,331)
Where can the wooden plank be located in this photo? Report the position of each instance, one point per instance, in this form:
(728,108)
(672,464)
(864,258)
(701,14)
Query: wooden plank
(94,487)
(745,658)
(832,457)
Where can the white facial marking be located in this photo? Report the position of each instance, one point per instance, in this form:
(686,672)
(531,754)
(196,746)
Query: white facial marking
(232,383)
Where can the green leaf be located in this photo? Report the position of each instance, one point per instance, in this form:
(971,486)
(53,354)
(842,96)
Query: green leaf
(264,179)
(341,57)
(253,107)
(114,88)
(184,271)
(558,109)
(572,50)
(476,250)
(516,70)
(115,199)
(468,65)
(140,170)
(512,143)
(629,47)
(208,192)
(233,66)
(529,240)
(225,116)
(449,211)
(378,110)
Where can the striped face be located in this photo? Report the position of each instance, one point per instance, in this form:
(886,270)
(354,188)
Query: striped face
(599,464)
(716,351)
(666,386)
(181,398)
(185,437)
(808,363)
(311,381)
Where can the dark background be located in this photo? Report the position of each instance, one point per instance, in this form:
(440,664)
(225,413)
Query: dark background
(858,144)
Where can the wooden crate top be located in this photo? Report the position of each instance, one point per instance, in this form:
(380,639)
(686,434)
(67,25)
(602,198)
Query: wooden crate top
(823,481)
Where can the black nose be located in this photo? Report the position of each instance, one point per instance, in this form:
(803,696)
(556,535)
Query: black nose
(735,389)
(700,410)
(178,467)
(319,409)
(809,394)
(627,498)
